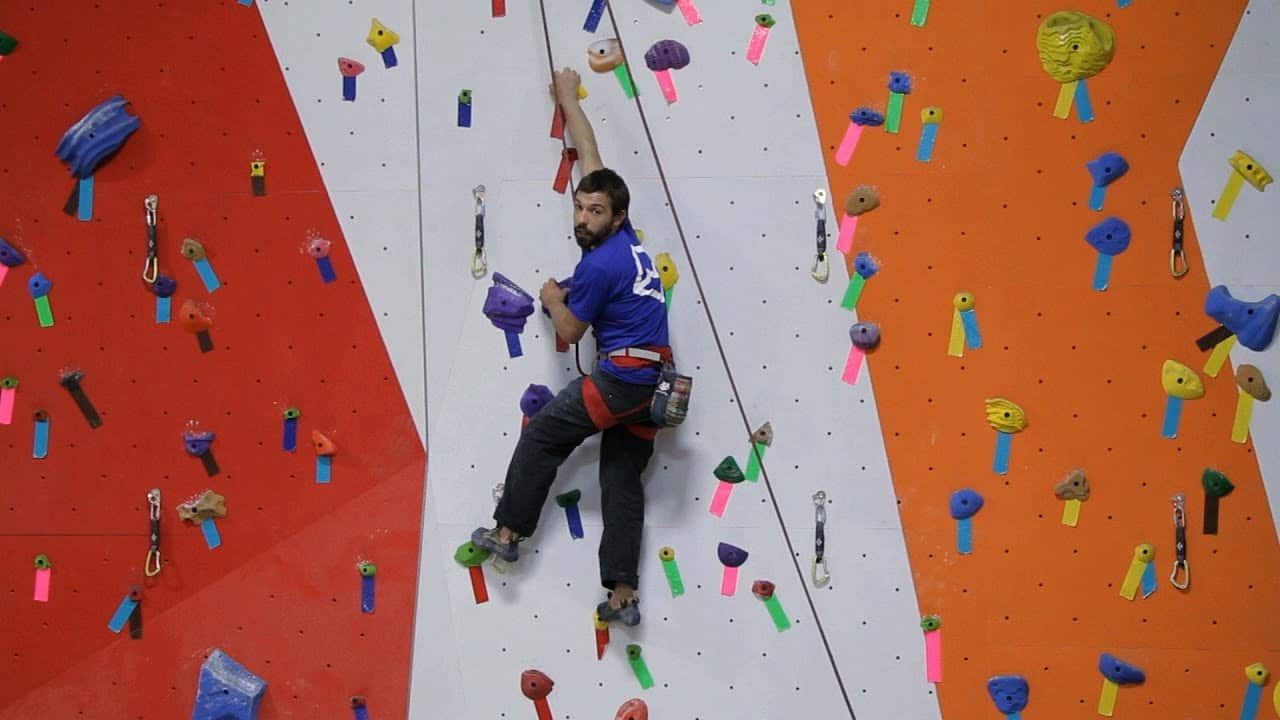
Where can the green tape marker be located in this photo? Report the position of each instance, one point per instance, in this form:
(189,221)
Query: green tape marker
(920,13)
(761,439)
(764,590)
(893,118)
(624,79)
(639,667)
(44,312)
(668,556)
(853,292)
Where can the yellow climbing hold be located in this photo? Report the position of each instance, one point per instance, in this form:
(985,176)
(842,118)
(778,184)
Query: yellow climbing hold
(381,37)
(1005,416)
(1180,381)
(1074,46)
(1251,170)
(667,271)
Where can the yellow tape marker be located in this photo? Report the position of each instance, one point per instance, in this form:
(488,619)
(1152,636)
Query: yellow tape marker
(1219,356)
(1275,698)
(955,346)
(1244,413)
(1229,194)
(1107,700)
(1071,512)
(1142,555)
(1065,95)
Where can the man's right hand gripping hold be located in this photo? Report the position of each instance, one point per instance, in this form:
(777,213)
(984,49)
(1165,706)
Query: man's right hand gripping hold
(616,292)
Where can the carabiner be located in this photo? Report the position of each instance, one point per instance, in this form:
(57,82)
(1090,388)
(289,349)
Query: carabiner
(479,264)
(821,269)
(1180,566)
(1176,253)
(152,565)
(151,267)
(820,540)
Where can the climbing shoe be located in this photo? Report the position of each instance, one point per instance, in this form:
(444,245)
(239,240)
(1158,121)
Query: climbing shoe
(628,614)
(487,539)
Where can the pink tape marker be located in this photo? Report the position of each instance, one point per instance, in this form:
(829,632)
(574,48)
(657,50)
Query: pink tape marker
(8,395)
(690,11)
(858,120)
(853,366)
(44,575)
(10,256)
(729,474)
(932,627)
(4,270)
(848,226)
(759,36)
(663,57)
(864,336)
(732,558)
(721,499)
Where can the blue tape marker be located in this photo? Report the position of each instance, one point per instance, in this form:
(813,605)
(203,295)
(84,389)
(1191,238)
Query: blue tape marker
(1004,443)
(1102,272)
(464,114)
(1149,580)
(964,535)
(164,309)
(326,269)
(389,58)
(1172,415)
(1124,3)
(1013,716)
(1084,106)
(246,3)
(210,530)
(513,344)
(928,136)
(207,276)
(972,334)
(366,593)
(1097,196)
(1252,695)
(362,713)
(575,520)
(40,448)
(127,606)
(593,16)
(290,434)
(348,88)
(324,468)
(86,198)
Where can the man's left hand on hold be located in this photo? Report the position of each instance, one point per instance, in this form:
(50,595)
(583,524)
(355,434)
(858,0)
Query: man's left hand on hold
(552,293)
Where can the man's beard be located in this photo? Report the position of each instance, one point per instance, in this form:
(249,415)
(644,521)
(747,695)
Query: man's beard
(586,239)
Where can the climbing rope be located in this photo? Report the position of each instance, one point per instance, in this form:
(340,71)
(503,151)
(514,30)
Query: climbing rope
(724,359)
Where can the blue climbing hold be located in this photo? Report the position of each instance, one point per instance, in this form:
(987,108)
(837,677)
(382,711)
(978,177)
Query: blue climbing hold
(1119,671)
(866,116)
(534,399)
(197,443)
(1109,237)
(899,82)
(1009,693)
(1107,168)
(864,335)
(1253,323)
(39,285)
(965,503)
(164,286)
(865,265)
(97,136)
(227,690)
(10,256)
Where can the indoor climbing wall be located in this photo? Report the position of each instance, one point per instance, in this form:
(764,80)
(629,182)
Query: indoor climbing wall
(737,203)
(275,582)
(1001,212)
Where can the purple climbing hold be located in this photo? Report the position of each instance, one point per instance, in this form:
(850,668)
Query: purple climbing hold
(534,399)
(164,286)
(731,556)
(197,443)
(10,256)
(864,335)
(666,55)
(507,305)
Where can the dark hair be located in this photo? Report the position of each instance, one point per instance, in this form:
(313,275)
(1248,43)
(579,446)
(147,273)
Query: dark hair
(610,183)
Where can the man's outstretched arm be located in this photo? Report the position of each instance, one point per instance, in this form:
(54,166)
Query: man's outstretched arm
(576,122)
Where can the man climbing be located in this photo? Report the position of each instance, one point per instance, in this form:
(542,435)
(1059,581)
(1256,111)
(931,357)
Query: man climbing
(614,290)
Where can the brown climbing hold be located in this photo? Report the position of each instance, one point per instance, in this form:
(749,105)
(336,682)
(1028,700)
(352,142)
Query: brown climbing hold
(864,198)
(208,505)
(764,435)
(633,709)
(535,684)
(1250,380)
(1075,486)
(323,445)
(762,589)
(193,250)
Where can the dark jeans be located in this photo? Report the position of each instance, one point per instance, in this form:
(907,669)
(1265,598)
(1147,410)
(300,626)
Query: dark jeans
(588,405)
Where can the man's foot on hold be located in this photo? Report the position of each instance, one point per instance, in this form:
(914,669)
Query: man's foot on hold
(629,613)
(488,539)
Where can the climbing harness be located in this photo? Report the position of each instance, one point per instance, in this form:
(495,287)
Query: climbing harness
(821,263)
(1176,254)
(820,540)
(151,268)
(479,265)
(1180,544)
(152,567)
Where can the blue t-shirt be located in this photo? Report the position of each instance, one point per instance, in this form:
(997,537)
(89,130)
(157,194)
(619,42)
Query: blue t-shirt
(617,290)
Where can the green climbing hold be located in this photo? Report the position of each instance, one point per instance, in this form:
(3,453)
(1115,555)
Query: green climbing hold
(1216,484)
(368,569)
(567,499)
(293,413)
(728,471)
(9,383)
(765,20)
(7,43)
(464,97)
(468,555)
(929,623)
(42,562)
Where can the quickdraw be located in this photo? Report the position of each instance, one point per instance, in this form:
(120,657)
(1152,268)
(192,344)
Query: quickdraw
(821,263)
(821,574)
(1180,567)
(1176,254)
(479,264)
(152,567)
(151,268)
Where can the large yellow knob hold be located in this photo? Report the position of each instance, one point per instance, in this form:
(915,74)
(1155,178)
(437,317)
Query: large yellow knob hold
(667,271)
(1251,170)
(381,37)
(1074,46)
(1180,381)
(1257,673)
(1005,416)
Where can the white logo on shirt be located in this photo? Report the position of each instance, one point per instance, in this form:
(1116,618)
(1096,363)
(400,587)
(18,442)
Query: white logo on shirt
(645,277)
